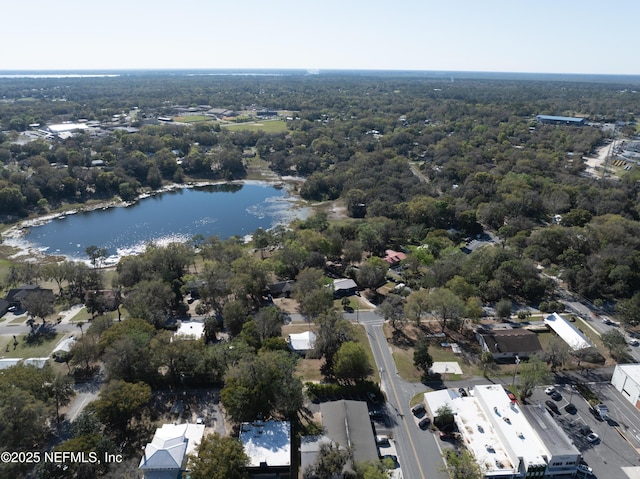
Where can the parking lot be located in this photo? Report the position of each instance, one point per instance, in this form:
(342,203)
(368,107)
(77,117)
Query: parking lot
(617,444)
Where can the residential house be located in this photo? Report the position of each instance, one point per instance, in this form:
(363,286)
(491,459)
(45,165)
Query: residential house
(506,344)
(17,295)
(393,257)
(347,424)
(281,289)
(165,457)
(302,343)
(344,287)
(268,445)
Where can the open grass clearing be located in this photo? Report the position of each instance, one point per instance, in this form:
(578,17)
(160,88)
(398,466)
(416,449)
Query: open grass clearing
(268,126)
(192,118)
(40,347)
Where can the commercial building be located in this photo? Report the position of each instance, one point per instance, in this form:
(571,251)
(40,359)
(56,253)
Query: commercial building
(507,439)
(626,379)
(560,120)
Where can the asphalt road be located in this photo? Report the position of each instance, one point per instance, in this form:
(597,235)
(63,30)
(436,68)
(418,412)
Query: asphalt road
(419,452)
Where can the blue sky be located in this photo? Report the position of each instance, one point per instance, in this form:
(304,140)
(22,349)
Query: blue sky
(549,36)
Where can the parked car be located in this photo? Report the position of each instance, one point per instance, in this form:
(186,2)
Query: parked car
(553,406)
(633,342)
(512,396)
(375,414)
(550,390)
(592,437)
(571,408)
(418,409)
(373,398)
(583,468)
(446,436)
(382,440)
(556,396)
(462,392)
(424,423)
(584,430)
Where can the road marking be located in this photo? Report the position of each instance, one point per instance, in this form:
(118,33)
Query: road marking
(397,401)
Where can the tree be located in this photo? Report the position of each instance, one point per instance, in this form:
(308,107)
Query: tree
(615,342)
(329,463)
(119,402)
(61,390)
(629,310)
(372,272)
(39,303)
(462,465)
(556,352)
(533,373)
(262,385)
(392,309)
(219,458)
(486,358)
(96,255)
(422,360)
(333,331)
(417,305)
(234,314)
(503,308)
(312,293)
(443,416)
(151,301)
(444,303)
(371,470)
(351,363)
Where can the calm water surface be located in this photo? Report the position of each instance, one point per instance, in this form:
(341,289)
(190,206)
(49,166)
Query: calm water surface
(222,210)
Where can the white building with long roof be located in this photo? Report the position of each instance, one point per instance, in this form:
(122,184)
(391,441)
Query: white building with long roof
(568,332)
(506,442)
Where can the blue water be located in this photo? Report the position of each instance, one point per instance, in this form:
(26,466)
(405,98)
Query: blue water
(221,210)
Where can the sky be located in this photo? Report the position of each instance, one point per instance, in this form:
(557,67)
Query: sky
(542,36)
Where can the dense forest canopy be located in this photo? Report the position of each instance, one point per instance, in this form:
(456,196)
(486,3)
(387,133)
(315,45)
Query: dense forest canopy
(420,161)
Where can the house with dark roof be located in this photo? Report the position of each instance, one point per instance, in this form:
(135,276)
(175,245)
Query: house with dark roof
(17,295)
(4,306)
(344,287)
(347,424)
(281,289)
(508,343)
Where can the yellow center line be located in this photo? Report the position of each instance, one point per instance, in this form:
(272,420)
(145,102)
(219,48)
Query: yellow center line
(395,394)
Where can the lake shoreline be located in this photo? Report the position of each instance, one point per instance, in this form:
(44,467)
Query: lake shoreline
(12,236)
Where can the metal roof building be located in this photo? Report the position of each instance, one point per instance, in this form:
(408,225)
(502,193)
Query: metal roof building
(560,120)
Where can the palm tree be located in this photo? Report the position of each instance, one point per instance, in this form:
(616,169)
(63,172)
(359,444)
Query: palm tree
(80,325)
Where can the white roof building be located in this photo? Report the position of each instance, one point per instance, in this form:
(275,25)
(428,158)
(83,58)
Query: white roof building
(302,342)
(9,362)
(165,456)
(190,330)
(568,332)
(65,344)
(506,441)
(268,445)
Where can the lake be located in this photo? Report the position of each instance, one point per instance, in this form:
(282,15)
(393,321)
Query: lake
(223,210)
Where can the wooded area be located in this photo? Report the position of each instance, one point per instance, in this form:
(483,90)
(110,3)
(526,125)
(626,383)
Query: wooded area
(421,166)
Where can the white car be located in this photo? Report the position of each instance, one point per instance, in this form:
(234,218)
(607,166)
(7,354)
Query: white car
(550,390)
(585,469)
(592,437)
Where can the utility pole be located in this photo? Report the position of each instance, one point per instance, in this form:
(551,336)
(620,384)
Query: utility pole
(515,371)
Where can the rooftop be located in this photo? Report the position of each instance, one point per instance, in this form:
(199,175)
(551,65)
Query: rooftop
(190,330)
(550,433)
(631,370)
(568,332)
(267,442)
(511,340)
(347,423)
(170,445)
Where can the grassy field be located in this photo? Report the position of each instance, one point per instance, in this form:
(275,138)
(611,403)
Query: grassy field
(192,118)
(268,126)
(40,348)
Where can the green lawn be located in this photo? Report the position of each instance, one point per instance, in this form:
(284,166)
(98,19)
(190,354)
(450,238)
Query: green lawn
(268,126)
(40,348)
(361,337)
